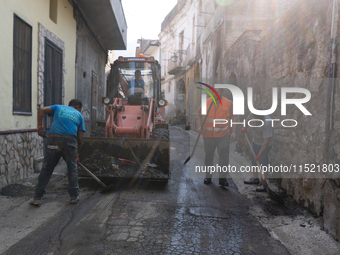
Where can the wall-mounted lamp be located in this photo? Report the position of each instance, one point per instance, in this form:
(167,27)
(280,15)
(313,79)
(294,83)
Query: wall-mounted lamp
(174,58)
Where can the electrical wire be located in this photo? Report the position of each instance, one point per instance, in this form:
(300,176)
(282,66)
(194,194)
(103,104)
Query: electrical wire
(140,19)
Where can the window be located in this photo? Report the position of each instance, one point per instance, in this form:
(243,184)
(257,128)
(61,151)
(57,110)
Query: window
(54,10)
(22,65)
(181,87)
(169,87)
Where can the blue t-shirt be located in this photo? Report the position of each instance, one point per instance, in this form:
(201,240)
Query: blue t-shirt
(66,120)
(136,84)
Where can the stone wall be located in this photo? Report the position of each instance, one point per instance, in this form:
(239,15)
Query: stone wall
(17,154)
(295,52)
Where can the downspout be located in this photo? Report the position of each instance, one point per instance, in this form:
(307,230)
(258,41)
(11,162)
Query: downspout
(330,82)
(331,70)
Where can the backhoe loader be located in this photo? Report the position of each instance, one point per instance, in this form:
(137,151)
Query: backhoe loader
(134,140)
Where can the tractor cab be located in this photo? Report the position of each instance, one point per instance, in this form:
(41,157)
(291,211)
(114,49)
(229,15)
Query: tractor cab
(135,79)
(134,129)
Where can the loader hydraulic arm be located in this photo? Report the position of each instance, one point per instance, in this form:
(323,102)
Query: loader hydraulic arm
(110,125)
(150,121)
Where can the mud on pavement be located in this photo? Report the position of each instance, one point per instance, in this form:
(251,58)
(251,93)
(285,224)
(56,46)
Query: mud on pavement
(104,165)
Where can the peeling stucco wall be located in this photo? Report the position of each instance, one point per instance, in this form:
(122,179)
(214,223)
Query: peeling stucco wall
(91,61)
(294,53)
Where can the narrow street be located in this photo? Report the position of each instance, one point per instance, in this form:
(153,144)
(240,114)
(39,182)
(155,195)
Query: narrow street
(181,217)
(125,91)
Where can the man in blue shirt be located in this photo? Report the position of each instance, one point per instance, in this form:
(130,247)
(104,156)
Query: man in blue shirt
(64,140)
(137,82)
(133,92)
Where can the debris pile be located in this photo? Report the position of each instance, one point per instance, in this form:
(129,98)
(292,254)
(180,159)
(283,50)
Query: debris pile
(104,165)
(17,190)
(100,163)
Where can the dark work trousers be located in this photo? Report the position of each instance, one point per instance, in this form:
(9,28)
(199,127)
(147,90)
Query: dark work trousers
(222,145)
(264,161)
(59,147)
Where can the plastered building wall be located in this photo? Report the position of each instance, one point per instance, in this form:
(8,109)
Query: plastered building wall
(33,13)
(294,52)
(91,60)
(20,144)
(178,37)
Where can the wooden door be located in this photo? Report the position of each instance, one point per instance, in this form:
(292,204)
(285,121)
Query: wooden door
(52,81)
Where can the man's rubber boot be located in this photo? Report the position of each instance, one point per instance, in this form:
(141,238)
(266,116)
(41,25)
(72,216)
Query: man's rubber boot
(74,200)
(261,188)
(36,201)
(252,180)
(223,182)
(207,181)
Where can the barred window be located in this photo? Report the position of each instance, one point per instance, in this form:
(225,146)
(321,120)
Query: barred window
(22,67)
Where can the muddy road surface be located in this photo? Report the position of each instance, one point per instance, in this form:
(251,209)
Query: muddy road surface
(183,216)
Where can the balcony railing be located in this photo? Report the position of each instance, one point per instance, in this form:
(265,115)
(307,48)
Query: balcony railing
(175,67)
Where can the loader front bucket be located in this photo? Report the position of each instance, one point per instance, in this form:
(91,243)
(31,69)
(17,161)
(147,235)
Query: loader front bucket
(110,157)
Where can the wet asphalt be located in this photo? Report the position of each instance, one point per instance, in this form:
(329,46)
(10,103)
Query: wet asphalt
(183,216)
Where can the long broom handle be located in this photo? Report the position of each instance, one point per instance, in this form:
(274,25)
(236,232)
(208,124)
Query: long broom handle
(93,176)
(205,118)
(258,164)
(271,193)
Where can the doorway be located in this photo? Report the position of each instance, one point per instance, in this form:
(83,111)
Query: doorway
(94,90)
(52,78)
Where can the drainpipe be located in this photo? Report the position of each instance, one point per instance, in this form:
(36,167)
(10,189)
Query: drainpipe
(331,70)
(330,84)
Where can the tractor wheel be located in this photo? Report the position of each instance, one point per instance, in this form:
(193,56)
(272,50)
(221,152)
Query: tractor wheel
(98,132)
(161,133)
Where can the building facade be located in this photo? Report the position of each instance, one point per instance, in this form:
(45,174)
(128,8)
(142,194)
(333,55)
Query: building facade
(262,45)
(38,49)
(96,40)
(178,51)
(41,58)
(148,48)
(296,52)
(194,36)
